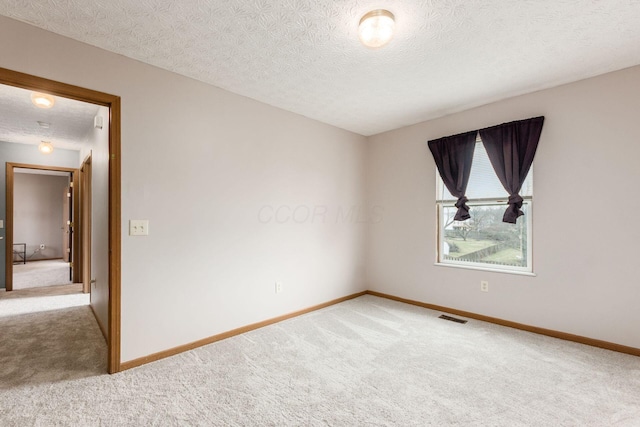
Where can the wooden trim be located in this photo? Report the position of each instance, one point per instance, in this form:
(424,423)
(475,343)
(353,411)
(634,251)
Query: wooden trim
(115,243)
(85,215)
(100,325)
(80,226)
(548,332)
(29,82)
(542,331)
(190,346)
(44,259)
(43,167)
(8,236)
(76,229)
(10,172)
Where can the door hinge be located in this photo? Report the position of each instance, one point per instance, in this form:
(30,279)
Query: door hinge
(70,265)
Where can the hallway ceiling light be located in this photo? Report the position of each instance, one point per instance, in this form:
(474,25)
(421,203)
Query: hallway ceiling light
(376,28)
(42,100)
(45,147)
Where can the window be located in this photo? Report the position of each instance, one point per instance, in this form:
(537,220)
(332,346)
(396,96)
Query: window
(484,241)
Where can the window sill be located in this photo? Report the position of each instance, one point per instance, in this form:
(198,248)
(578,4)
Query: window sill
(492,270)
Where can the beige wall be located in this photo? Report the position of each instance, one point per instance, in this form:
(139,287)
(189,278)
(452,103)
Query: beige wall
(585,244)
(240,195)
(37,213)
(200,163)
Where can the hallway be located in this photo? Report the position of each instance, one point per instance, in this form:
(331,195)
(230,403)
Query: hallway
(48,335)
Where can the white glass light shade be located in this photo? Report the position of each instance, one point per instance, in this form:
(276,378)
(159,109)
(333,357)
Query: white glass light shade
(42,100)
(376,28)
(45,147)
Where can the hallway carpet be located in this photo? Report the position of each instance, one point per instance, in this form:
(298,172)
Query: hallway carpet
(36,274)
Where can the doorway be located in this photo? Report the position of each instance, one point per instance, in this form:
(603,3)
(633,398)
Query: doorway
(112,237)
(42,212)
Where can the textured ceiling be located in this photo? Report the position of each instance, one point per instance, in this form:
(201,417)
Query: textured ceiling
(69,121)
(304,55)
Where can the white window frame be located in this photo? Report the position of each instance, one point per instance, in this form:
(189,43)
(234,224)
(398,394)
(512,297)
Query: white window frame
(528,217)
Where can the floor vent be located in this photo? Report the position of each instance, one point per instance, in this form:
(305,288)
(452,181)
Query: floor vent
(452,319)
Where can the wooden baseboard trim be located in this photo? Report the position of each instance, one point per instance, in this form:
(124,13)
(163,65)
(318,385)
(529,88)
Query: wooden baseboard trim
(190,346)
(542,331)
(102,328)
(36,260)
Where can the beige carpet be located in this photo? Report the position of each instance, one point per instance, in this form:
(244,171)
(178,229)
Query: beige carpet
(47,335)
(72,288)
(365,362)
(36,274)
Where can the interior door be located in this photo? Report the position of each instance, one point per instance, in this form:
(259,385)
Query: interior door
(69,230)
(85,224)
(66,219)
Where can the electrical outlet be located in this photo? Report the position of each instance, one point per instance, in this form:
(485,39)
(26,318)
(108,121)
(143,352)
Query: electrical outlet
(278,287)
(138,227)
(484,286)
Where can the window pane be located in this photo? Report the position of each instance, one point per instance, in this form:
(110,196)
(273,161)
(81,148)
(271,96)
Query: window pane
(483,182)
(485,239)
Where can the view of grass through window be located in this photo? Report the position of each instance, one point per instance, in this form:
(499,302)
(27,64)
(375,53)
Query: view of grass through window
(485,238)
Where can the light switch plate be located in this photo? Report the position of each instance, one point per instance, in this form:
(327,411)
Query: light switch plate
(138,227)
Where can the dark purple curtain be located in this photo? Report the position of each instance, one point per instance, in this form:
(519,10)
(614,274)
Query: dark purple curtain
(511,148)
(453,156)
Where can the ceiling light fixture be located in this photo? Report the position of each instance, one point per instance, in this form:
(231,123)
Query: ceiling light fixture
(45,147)
(42,100)
(376,28)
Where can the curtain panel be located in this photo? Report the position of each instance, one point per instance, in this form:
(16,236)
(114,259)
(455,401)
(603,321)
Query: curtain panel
(453,156)
(511,148)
